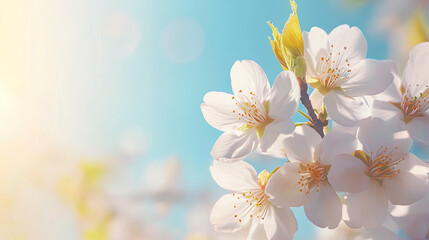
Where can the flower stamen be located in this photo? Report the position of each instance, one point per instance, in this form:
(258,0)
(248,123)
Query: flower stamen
(312,175)
(414,103)
(256,204)
(334,74)
(252,111)
(383,164)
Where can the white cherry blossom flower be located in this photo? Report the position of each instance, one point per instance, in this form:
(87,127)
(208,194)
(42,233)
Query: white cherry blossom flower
(382,170)
(408,100)
(340,73)
(343,232)
(413,219)
(255,115)
(380,233)
(303,180)
(249,205)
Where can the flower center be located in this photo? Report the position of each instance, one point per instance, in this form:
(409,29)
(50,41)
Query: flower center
(415,102)
(333,71)
(255,202)
(312,174)
(382,165)
(251,110)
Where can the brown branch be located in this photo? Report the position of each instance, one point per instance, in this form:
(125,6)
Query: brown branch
(305,99)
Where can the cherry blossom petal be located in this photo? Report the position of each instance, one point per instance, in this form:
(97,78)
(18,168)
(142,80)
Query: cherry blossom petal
(419,129)
(273,131)
(248,76)
(280,223)
(347,174)
(283,188)
(323,207)
(235,176)
(413,219)
(411,184)
(375,133)
(415,166)
(316,45)
(344,110)
(234,146)
(277,149)
(392,92)
(339,140)
(416,73)
(284,96)
(218,110)
(386,111)
(257,231)
(316,99)
(369,77)
(367,208)
(301,146)
(381,233)
(350,42)
(223,214)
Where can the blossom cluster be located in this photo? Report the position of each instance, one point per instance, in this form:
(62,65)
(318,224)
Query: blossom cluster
(349,162)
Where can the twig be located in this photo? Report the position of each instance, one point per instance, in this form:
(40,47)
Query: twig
(317,124)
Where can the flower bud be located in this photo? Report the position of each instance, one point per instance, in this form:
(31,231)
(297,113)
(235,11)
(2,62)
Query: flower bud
(289,45)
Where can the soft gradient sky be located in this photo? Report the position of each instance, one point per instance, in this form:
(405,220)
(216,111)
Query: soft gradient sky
(80,75)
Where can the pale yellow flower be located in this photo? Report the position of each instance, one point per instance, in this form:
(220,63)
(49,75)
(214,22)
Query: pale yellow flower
(418,30)
(81,192)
